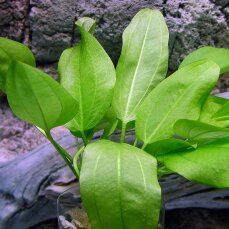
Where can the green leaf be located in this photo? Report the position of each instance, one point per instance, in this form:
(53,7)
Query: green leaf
(208,165)
(88,74)
(219,55)
(37,98)
(107,119)
(88,134)
(142,64)
(109,130)
(119,186)
(199,132)
(12,50)
(110,122)
(223,113)
(211,106)
(179,96)
(166,146)
(87,24)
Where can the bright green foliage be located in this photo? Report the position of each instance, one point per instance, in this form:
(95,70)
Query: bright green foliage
(119,186)
(212,105)
(119,182)
(108,123)
(219,55)
(87,23)
(166,146)
(179,96)
(142,64)
(88,74)
(223,113)
(199,132)
(208,165)
(12,50)
(37,98)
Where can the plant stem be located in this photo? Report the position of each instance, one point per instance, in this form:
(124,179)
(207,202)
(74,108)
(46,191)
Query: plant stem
(123,133)
(136,142)
(77,143)
(84,138)
(144,146)
(75,159)
(67,158)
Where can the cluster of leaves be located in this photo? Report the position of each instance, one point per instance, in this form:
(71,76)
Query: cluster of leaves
(119,182)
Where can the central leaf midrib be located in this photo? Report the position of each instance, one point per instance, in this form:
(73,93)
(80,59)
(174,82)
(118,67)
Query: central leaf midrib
(95,88)
(95,185)
(136,70)
(80,94)
(144,181)
(119,187)
(39,106)
(146,91)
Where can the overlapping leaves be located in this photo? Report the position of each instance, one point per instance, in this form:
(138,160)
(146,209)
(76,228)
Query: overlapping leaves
(37,98)
(179,96)
(88,74)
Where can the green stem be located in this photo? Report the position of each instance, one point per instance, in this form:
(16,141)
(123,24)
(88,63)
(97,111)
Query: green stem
(136,142)
(144,146)
(84,138)
(162,170)
(123,133)
(75,159)
(67,158)
(77,143)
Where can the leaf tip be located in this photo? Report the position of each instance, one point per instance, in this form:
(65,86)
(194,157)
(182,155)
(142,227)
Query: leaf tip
(86,23)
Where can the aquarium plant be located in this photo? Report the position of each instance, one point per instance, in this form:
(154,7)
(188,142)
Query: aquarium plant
(178,126)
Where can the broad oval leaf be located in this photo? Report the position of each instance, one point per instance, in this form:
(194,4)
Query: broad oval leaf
(219,55)
(179,96)
(37,98)
(88,74)
(12,50)
(142,64)
(119,186)
(208,165)
(199,132)
(212,105)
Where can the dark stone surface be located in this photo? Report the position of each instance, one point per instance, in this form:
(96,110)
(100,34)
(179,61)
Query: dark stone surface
(191,218)
(48,26)
(13,18)
(197,218)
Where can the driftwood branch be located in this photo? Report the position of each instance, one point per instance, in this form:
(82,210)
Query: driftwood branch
(26,182)
(30,184)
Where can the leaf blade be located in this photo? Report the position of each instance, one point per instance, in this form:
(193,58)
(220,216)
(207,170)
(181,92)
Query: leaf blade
(108,168)
(223,113)
(175,98)
(212,105)
(219,55)
(87,72)
(199,132)
(140,67)
(167,146)
(208,165)
(12,50)
(37,98)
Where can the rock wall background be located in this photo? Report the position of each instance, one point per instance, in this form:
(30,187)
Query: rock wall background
(47,27)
